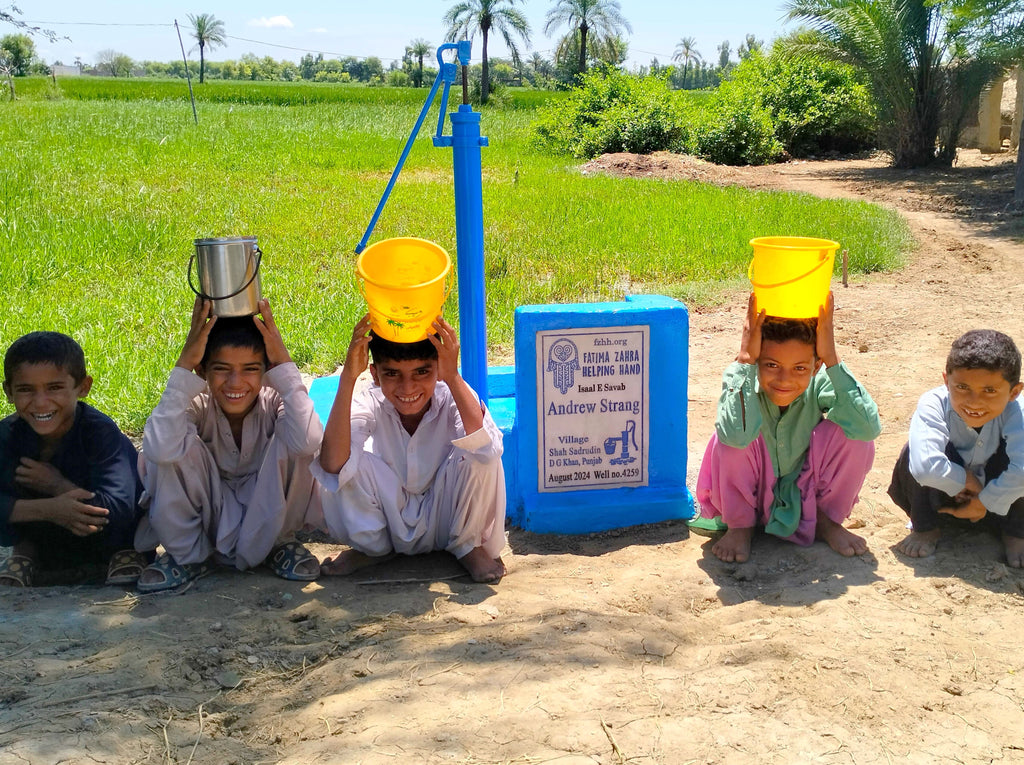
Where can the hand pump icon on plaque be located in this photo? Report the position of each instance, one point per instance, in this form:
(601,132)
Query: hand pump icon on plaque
(628,435)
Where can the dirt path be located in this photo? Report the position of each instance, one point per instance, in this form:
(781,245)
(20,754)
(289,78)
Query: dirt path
(631,646)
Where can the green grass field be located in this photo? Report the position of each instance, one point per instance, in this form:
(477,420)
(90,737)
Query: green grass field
(101,198)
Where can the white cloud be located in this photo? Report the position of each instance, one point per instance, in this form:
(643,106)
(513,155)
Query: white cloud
(273,21)
(320,30)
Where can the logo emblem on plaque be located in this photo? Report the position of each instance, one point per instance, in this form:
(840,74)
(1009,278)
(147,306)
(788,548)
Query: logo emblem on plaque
(563,361)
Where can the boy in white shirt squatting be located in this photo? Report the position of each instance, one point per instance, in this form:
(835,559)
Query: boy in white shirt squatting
(965,455)
(227,453)
(413,463)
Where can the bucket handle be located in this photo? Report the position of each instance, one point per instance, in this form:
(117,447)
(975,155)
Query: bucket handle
(257,253)
(750,275)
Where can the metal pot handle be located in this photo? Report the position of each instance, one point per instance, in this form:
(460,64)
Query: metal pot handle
(257,254)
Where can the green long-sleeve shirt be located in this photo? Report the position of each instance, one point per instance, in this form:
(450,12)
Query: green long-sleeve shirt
(744,412)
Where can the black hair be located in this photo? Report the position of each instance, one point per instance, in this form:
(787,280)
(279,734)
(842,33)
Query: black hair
(985,349)
(45,348)
(779,330)
(388,350)
(235,332)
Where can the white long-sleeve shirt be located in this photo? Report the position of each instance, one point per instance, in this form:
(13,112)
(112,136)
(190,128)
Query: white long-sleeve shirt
(377,429)
(936,424)
(283,409)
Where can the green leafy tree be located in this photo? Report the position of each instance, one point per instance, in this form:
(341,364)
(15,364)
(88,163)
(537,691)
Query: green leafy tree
(115,64)
(310,65)
(602,18)
(920,73)
(418,49)
(612,51)
(540,71)
(466,18)
(724,52)
(20,53)
(208,30)
(749,47)
(686,51)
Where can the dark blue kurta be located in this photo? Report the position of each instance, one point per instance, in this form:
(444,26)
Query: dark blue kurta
(93,455)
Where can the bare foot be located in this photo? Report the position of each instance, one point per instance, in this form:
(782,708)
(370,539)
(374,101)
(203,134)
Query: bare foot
(482,567)
(920,544)
(350,561)
(839,538)
(1014,551)
(734,546)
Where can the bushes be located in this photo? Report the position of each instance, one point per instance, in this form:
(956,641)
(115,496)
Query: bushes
(770,105)
(778,103)
(611,111)
(742,134)
(816,106)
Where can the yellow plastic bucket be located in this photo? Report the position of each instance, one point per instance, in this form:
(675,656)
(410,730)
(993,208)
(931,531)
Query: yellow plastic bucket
(405,284)
(791,275)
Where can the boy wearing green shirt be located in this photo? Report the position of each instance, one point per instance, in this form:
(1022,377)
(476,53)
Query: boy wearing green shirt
(794,438)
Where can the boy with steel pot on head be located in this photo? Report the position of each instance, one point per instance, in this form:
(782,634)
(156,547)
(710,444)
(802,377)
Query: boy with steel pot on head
(226,455)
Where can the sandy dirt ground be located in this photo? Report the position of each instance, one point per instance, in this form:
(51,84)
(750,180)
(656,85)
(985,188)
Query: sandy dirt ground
(630,646)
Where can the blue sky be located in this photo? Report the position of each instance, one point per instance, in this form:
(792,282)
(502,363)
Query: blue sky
(350,28)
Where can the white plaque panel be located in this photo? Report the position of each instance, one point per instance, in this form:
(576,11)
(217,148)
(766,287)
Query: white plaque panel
(592,407)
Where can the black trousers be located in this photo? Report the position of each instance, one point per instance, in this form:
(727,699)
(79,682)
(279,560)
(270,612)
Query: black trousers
(922,503)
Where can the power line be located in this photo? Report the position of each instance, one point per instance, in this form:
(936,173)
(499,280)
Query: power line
(230,37)
(308,50)
(95,24)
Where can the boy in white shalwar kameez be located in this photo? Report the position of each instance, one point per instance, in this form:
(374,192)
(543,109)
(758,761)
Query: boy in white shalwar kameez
(412,464)
(226,456)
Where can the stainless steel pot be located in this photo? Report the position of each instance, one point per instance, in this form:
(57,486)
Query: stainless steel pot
(229,274)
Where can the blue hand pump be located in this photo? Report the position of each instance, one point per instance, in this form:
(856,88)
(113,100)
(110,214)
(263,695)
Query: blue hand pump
(466,143)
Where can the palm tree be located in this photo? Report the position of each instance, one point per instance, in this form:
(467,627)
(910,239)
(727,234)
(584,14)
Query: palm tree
(602,17)
(208,30)
(540,67)
(905,49)
(467,17)
(686,51)
(749,47)
(418,49)
(723,55)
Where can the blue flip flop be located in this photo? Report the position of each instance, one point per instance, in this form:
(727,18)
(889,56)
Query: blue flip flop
(285,559)
(174,574)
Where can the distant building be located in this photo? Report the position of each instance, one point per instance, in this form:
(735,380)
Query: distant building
(60,70)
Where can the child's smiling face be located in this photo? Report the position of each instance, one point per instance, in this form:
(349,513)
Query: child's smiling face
(235,378)
(979,396)
(785,369)
(46,397)
(408,385)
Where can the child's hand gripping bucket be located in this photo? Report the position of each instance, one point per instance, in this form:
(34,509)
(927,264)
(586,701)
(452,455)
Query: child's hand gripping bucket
(791,275)
(229,274)
(405,283)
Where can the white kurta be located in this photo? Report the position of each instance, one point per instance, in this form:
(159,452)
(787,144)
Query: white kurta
(208,495)
(437,489)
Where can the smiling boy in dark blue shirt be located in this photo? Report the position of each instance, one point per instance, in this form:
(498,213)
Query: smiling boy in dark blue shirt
(69,485)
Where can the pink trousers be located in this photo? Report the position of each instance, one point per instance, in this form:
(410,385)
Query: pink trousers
(738,484)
